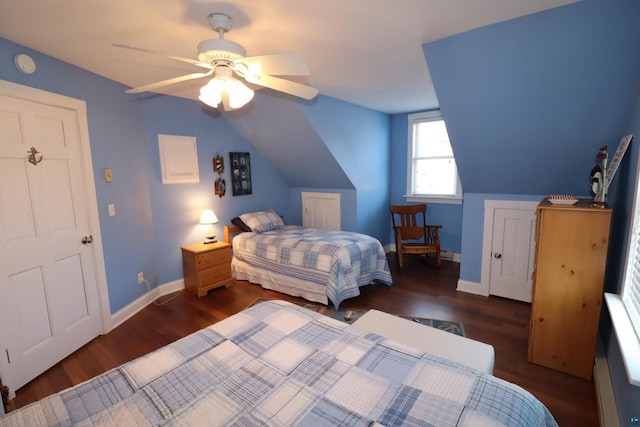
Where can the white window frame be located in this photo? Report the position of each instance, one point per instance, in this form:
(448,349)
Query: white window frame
(429,116)
(625,310)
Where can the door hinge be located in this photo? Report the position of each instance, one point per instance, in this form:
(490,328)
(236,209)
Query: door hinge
(8,357)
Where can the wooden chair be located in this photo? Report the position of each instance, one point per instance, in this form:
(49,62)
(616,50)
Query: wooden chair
(412,234)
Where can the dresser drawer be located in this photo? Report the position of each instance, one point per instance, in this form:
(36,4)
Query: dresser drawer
(206,266)
(215,274)
(213,258)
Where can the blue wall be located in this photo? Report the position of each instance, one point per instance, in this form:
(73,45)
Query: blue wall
(359,139)
(177,207)
(528,102)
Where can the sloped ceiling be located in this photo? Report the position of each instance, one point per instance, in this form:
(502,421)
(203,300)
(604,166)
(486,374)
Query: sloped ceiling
(278,129)
(503,86)
(529,102)
(361,52)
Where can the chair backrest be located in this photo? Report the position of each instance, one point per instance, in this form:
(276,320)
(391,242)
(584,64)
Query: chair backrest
(409,220)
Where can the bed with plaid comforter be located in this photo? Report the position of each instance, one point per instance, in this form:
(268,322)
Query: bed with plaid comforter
(279,364)
(339,261)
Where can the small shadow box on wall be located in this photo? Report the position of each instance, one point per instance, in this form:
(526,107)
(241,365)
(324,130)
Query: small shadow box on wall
(240,173)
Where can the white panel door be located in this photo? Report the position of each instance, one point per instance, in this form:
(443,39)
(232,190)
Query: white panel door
(48,293)
(512,254)
(321,210)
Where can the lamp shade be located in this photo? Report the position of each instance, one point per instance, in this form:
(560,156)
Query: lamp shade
(211,93)
(208,217)
(225,85)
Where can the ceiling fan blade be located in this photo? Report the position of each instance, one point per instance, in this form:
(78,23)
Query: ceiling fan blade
(175,57)
(282,85)
(279,64)
(152,86)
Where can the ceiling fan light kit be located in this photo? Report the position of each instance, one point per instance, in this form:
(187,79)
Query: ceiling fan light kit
(228,62)
(226,89)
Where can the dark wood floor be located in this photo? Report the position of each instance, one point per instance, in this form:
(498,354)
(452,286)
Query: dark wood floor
(418,291)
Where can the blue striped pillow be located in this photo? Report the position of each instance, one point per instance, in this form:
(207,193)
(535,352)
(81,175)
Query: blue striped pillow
(262,221)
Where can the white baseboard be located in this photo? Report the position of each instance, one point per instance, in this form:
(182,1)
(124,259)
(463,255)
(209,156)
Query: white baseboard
(128,311)
(125,313)
(604,389)
(471,287)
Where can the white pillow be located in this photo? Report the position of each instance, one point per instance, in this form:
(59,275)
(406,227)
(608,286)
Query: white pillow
(262,221)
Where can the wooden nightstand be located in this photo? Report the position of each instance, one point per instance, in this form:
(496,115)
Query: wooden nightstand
(206,266)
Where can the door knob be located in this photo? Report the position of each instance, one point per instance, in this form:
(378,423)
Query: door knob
(87,240)
(497,255)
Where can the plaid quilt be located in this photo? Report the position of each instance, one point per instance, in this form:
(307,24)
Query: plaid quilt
(279,364)
(341,260)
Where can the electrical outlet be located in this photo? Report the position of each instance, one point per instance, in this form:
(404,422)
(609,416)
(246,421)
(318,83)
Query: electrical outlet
(140,278)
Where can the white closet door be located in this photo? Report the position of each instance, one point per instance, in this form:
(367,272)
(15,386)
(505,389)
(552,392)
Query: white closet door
(321,210)
(48,293)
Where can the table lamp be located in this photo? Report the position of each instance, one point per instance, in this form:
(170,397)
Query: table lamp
(209,218)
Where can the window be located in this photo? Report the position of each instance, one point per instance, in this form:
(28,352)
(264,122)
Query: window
(631,290)
(625,309)
(631,287)
(431,170)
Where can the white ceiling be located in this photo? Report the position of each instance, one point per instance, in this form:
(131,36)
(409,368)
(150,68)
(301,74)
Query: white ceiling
(367,52)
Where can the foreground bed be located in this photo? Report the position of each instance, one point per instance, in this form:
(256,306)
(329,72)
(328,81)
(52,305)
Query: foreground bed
(280,364)
(315,264)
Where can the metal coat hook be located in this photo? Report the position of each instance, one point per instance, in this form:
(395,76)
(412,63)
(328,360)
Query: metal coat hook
(32,156)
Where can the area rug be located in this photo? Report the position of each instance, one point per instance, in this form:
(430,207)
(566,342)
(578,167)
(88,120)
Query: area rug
(355,313)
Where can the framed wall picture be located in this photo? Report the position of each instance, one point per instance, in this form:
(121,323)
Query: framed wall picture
(218,164)
(220,187)
(240,165)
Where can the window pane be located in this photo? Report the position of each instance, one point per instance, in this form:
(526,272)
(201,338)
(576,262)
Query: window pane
(431,165)
(431,139)
(631,291)
(435,176)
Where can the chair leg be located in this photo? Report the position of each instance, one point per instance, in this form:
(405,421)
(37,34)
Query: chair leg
(399,259)
(438,260)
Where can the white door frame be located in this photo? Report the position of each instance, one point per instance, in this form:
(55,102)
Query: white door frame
(43,97)
(487,240)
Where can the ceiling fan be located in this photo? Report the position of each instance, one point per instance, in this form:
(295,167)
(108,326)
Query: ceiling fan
(225,61)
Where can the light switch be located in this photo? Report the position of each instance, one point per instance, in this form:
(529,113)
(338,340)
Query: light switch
(112,209)
(108,175)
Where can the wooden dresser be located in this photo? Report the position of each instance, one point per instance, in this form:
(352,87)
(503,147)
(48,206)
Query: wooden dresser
(206,266)
(571,254)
